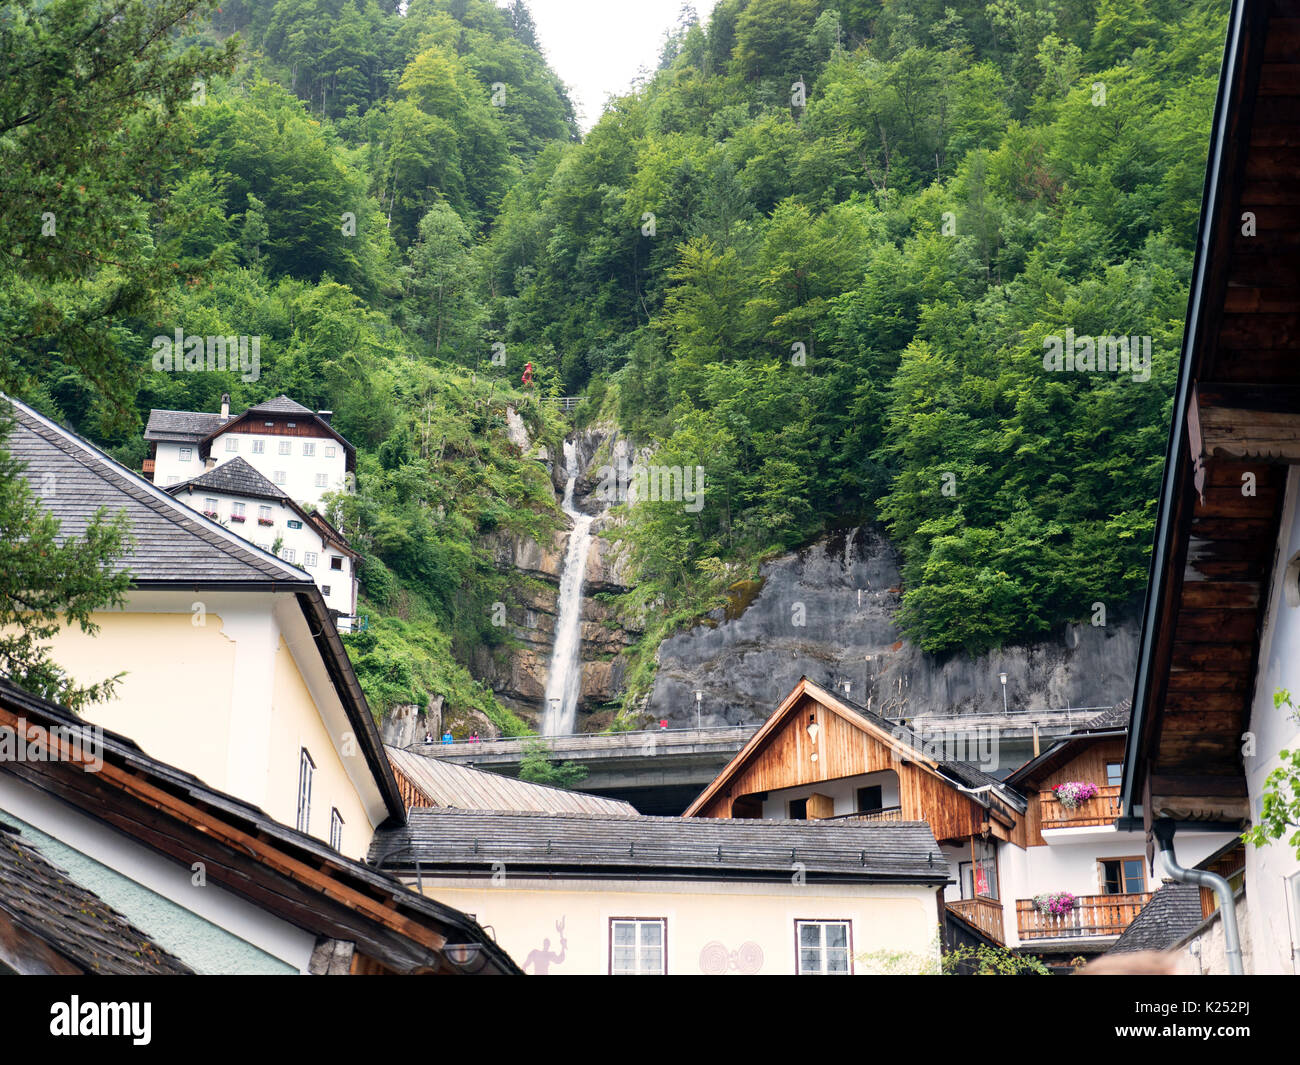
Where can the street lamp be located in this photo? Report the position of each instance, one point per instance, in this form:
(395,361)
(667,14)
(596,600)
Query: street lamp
(699,698)
(1003,678)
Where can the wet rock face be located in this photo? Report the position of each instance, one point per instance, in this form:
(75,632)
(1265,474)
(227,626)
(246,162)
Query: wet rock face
(828,613)
(518,674)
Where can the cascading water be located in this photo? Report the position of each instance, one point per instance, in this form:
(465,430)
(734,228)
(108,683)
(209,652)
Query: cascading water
(564,679)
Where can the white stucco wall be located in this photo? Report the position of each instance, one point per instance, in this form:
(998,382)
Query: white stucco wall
(300,471)
(1274,924)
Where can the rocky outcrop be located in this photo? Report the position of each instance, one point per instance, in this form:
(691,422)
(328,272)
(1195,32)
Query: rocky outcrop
(517,671)
(828,612)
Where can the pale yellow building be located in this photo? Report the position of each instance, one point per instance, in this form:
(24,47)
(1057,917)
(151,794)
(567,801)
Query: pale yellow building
(233,669)
(598,894)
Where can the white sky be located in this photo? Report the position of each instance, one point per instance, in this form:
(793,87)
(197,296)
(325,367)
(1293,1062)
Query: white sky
(597,47)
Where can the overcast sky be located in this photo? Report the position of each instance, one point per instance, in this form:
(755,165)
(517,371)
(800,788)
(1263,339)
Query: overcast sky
(598,46)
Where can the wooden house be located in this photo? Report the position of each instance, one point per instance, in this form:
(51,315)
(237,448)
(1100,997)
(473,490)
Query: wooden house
(1221,631)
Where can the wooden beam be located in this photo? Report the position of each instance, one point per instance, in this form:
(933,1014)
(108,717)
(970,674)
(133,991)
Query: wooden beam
(1247,421)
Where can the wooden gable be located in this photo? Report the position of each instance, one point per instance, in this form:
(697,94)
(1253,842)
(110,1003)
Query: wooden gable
(781,756)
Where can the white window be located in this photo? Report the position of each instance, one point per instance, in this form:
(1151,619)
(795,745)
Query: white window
(288,554)
(336,562)
(187,453)
(336,829)
(259,447)
(232,443)
(309,559)
(637,946)
(306,767)
(279,477)
(285,445)
(237,511)
(824,948)
(209,506)
(330,451)
(309,450)
(263,514)
(321,480)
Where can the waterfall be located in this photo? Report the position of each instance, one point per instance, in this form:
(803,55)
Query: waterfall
(564,678)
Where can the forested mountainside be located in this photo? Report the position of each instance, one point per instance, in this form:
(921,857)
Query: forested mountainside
(820,253)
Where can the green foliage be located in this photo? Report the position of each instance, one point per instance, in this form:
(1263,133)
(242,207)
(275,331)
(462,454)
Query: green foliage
(984,960)
(1280,813)
(537,768)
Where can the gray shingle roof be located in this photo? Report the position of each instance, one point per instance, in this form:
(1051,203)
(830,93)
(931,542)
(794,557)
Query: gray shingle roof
(39,897)
(73,479)
(236,477)
(181,425)
(696,847)
(1173,912)
(282,404)
(1116,717)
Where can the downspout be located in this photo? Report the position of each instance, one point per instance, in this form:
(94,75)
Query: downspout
(1164,833)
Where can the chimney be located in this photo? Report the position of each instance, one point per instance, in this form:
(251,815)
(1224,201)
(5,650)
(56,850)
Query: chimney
(325,415)
(225,406)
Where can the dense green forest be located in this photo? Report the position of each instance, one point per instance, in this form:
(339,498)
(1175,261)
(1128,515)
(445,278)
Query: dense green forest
(817,252)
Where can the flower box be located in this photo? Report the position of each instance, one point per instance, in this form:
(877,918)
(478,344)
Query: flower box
(265,521)
(211,514)
(1056,903)
(1074,793)
(237,518)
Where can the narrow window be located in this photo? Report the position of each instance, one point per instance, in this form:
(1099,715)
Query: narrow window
(336,829)
(306,767)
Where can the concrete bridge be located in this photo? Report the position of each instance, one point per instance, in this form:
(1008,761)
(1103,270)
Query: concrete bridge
(657,770)
(660,771)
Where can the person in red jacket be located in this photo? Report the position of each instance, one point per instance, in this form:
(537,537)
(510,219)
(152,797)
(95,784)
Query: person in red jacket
(528,374)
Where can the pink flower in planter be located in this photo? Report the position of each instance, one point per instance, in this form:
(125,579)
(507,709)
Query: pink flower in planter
(1056,903)
(1074,793)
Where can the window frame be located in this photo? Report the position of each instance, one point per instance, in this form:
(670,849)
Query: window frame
(821,922)
(1121,859)
(306,771)
(309,449)
(232,443)
(259,447)
(637,922)
(336,829)
(286,447)
(311,559)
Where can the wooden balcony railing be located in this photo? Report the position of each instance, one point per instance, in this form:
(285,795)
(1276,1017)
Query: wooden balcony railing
(1093,915)
(1101,810)
(984,913)
(888,813)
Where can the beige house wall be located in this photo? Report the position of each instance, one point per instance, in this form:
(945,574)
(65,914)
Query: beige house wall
(227,701)
(709,924)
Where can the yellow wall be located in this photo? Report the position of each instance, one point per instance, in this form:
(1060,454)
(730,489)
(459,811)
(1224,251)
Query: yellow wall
(523,914)
(178,699)
(295,724)
(174,701)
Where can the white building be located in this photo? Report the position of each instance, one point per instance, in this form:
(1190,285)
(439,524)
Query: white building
(296,449)
(238,497)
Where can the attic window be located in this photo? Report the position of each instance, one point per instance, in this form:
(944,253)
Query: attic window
(293,425)
(268,423)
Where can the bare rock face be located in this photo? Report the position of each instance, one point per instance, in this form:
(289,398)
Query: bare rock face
(517,670)
(828,612)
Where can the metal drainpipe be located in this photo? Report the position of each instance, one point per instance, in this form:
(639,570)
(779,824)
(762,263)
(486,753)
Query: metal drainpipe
(1164,833)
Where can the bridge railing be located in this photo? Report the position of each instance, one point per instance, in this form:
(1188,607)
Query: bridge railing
(612,739)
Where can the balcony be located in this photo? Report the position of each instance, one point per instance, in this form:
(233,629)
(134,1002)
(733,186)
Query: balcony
(985,914)
(1093,915)
(1095,812)
(888,813)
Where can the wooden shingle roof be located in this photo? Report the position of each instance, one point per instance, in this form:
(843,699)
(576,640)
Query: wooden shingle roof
(607,845)
(45,903)
(172,543)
